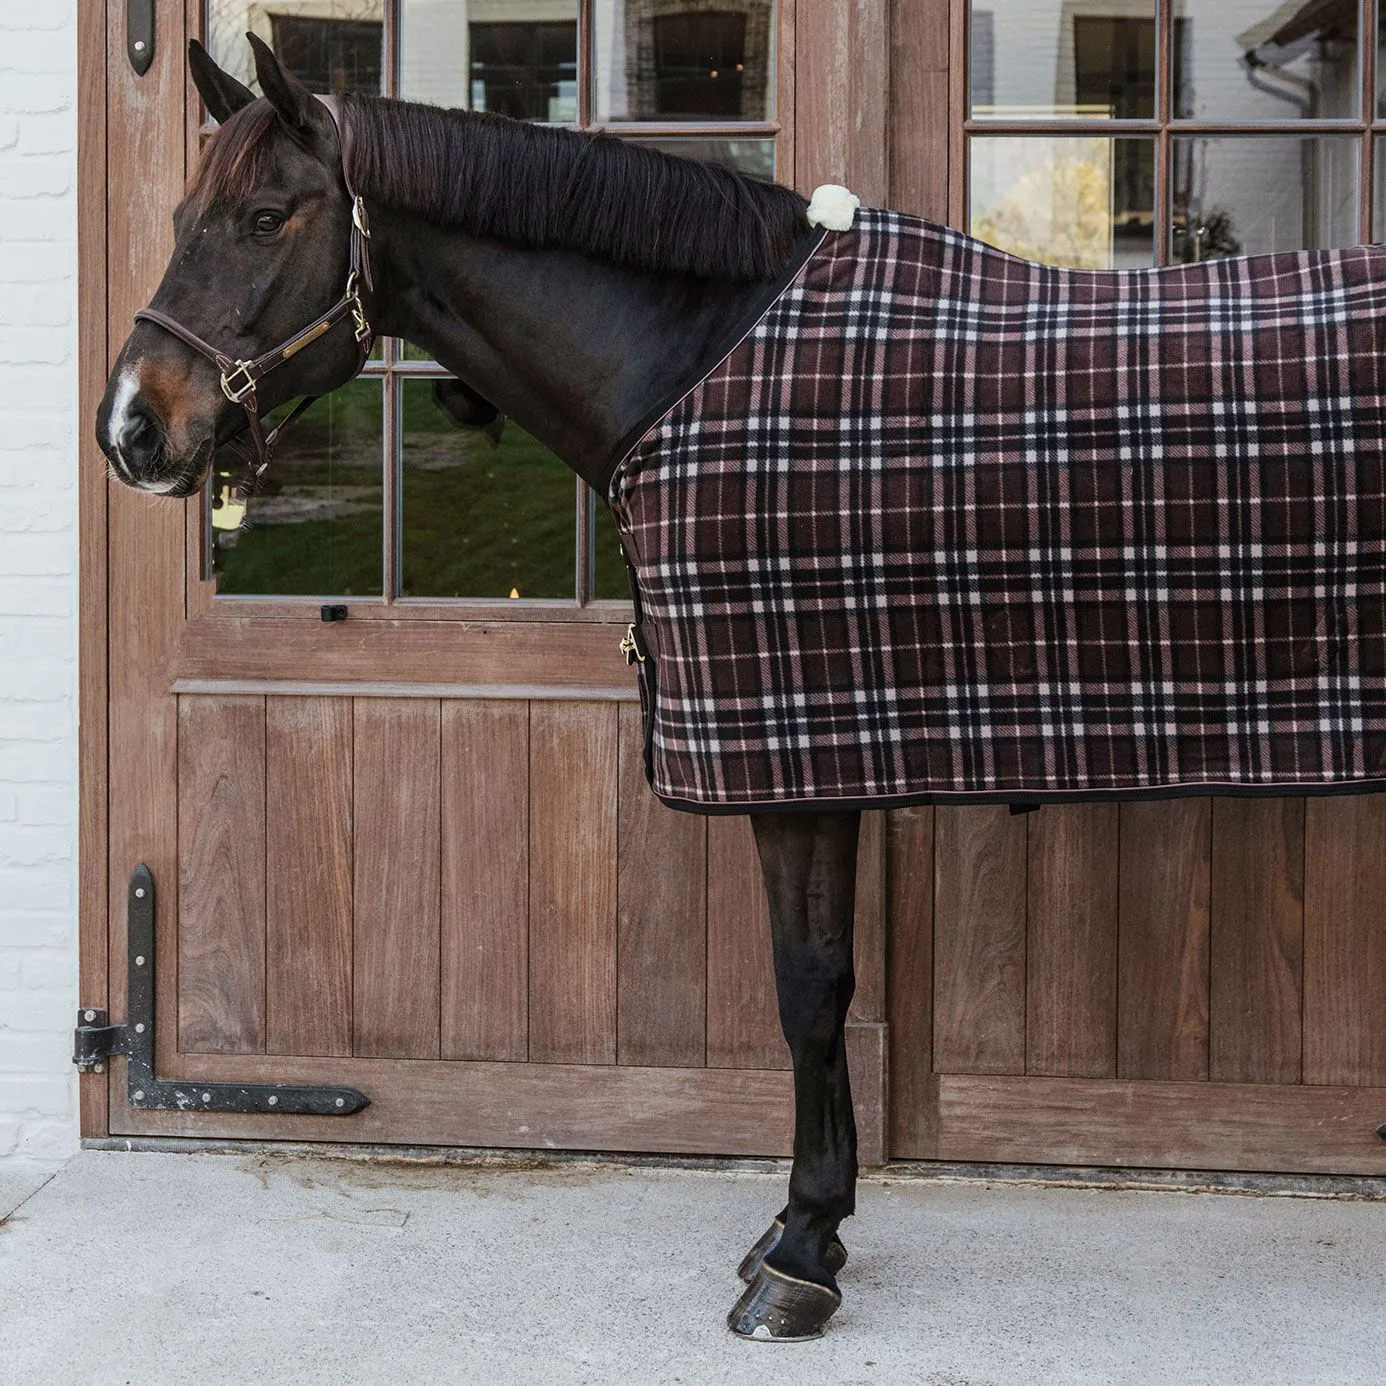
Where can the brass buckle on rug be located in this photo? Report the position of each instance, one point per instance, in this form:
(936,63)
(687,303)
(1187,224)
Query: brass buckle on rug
(630,646)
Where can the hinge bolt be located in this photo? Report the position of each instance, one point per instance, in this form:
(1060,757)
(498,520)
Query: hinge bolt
(206,1097)
(341,1101)
(139,1096)
(274,1101)
(99,1068)
(139,961)
(88,1015)
(139,892)
(139,1027)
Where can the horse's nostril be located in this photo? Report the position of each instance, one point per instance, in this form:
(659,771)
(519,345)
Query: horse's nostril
(138,439)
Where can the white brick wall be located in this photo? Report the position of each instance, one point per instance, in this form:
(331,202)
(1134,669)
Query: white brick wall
(38,576)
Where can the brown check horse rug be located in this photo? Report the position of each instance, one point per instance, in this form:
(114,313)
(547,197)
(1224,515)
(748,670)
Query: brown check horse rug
(945,524)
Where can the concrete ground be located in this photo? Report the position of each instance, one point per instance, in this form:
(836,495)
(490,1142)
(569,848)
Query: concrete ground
(229,1268)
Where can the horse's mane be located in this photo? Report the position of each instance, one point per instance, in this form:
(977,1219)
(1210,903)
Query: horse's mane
(537,186)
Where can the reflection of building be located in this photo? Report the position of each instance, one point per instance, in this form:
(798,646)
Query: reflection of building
(697,58)
(1244,62)
(652,59)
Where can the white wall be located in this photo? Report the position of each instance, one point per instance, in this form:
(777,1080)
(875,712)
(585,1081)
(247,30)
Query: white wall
(38,577)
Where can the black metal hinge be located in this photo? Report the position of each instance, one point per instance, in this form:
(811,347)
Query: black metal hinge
(96,1040)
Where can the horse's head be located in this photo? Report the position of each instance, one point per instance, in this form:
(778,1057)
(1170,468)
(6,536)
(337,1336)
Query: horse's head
(261,251)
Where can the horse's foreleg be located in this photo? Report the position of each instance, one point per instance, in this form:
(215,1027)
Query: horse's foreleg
(809,862)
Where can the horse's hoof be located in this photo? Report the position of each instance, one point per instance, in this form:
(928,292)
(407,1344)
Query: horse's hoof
(834,1258)
(780,1308)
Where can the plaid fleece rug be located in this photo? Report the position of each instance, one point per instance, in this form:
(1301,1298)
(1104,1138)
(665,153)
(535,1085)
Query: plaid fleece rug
(946,523)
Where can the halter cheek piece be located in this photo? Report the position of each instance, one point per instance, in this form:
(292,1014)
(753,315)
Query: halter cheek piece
(241,379)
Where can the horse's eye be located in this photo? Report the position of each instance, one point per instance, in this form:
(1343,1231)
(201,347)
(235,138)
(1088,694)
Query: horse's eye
(267,223)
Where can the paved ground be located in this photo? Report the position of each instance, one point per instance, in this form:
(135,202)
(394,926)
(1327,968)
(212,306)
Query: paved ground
(215,1268)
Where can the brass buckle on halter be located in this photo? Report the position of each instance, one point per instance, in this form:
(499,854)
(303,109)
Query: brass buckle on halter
(630,646)
(358,216)
(234,395)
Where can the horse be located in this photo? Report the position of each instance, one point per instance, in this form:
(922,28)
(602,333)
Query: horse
(1104,584)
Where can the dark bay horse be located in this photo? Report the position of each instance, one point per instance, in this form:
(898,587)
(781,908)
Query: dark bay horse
(569,282)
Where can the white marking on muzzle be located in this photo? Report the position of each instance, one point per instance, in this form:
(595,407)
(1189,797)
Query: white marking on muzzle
(127,387)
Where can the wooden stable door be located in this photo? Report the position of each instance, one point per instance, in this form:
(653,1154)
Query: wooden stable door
(1197,983)
(410,851)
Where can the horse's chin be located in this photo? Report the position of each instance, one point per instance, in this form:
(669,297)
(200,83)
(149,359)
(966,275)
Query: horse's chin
(184,480)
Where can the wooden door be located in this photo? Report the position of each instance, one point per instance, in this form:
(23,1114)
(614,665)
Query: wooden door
(1196,983)
(411,851)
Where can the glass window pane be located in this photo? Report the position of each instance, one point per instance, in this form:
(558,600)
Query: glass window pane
(1379,192)
(750,156)
(1244,196)
(1082,201)
(518,57)
(1038,59)
(680,61)
(1267,60)
(482,518)
(331,45)
(313,527)
(609,579)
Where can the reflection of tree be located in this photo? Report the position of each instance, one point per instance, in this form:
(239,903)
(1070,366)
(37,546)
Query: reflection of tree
(1206,238)
(1058,213)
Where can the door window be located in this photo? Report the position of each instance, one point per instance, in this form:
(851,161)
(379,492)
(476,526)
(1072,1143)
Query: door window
(1134,134)
(378,492)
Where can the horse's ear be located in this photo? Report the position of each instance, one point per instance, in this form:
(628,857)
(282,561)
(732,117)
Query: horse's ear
(221,93)
(298,108)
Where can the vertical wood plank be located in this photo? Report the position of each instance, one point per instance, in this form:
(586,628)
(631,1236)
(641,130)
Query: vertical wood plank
(661,918)
(92,348)
(1256,996)
(396,820)
(145,593)
(979,940)
(308,870)
(485,880)
(1162,1024)
(743,1017)
(842,78)
(920,124)
(221,850)
(1071,956)
(572,910)
(1345,940)
(909,974)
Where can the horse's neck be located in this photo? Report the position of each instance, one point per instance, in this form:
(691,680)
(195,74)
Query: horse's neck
(575,350)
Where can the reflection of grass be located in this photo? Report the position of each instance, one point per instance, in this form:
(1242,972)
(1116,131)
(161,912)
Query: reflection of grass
(480,521)
(477,521)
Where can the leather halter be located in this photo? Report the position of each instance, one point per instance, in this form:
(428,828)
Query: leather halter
(241,379)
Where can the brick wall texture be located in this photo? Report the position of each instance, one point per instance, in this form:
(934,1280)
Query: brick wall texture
(39,428)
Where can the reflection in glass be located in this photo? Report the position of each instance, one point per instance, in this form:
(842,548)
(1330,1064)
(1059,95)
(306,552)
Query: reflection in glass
(673,60)
(518,57)
(1082,201)
(610,581)
(1245,196)
(481,517)
(1379,192)
(1029,60)
(756,157)
(1266,60)
(313,527)
(330,45)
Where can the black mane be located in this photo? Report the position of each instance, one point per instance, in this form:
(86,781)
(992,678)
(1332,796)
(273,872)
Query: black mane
(536,185)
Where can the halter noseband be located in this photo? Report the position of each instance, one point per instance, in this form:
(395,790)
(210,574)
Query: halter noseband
(241,379)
